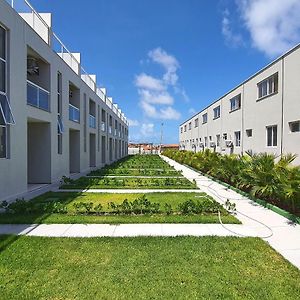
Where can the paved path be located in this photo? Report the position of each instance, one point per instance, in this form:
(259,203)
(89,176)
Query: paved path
(279,232)
(125,230)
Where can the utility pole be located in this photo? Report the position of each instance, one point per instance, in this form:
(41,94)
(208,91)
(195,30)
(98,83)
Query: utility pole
(161,136)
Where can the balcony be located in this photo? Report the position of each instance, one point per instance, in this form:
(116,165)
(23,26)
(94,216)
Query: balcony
(103,126)
(92,121)
(37,96)
(74,113)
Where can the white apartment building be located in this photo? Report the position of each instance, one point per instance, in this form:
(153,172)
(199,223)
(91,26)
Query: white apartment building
(54,120)
(261,114)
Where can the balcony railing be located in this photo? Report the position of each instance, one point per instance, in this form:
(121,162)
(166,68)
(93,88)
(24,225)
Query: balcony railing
(92,121)
(37,96)
(74,113)
(40,23)
(103,126)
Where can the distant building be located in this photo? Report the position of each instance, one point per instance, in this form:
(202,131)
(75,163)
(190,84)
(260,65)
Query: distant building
(169,147)
(261,114)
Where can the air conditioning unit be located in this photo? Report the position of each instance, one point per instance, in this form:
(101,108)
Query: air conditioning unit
(32,66)
(212,144)
(228,143)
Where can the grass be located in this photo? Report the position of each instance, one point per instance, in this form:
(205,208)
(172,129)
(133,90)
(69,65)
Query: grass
(69,198)
(130,183)
(144,268)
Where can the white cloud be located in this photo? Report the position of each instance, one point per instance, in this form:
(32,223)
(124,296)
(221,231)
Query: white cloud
(156,98)
(169,113)
(164,113)
(133,123)
(147,129)
(231,38)
(274,25)
(169,62)
(148,82)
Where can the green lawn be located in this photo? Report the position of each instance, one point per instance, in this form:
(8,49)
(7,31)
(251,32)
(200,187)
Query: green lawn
(130,183)
(68,199)
(144,268)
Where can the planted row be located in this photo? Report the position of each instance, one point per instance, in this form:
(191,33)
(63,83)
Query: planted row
(132,183)
(139,206)
(263,175)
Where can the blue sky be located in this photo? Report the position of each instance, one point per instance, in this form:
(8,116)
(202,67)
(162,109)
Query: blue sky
(164,60)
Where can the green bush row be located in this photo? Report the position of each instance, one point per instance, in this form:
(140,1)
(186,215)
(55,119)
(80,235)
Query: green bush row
(273,179)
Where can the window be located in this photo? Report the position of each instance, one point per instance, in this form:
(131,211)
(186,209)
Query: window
(217,112)
(2,60)
(268,86)
(181,129)
(218,139)
(272,136)
(237,136)
(196,122)
(204,118)
(190,125)
(6,116)
(235,103)
(295,126)
(224,136)
(210,138)
(184,128)
(249,132)
(205,141)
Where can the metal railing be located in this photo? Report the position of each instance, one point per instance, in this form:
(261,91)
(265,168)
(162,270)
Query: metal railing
(40,25)
(37,96)
(74,113)
(92,121)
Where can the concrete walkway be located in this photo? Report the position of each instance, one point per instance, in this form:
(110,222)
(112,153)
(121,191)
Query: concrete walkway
(279,232)
(126,230)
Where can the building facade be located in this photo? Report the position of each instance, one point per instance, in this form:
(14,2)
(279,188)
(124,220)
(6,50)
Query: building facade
(261,114)
(54,120)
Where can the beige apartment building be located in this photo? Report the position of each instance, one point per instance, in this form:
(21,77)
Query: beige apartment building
(261,114)
(54,120)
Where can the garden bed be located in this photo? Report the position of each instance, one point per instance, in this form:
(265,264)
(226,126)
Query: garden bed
(128,183)
(70,207)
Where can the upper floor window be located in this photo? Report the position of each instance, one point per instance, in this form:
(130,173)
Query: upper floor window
(181,129)
(218,139)
(190,125)
(204,118)
(184,128)
(268,86)
(2,60)
(272,136)
(217,112)
(196,122)
(235,103)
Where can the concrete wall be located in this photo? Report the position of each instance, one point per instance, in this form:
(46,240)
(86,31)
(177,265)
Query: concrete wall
(278,109)
(23,40)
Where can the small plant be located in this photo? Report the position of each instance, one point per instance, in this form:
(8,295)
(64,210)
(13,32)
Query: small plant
(4,204)
(168,209)
(231,207)
(66,180)
(98,208)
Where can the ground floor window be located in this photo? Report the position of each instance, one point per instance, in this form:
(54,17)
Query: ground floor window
(3,141)
(59,143)
(237,136)
(272,136)
(295,126)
